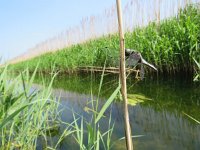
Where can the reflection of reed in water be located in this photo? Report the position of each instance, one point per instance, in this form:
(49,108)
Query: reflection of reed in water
(164,129)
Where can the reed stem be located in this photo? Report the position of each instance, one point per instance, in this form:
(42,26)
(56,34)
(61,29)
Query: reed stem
(129,143)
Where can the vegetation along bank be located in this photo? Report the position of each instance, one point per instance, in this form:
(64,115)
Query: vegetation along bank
(170,45)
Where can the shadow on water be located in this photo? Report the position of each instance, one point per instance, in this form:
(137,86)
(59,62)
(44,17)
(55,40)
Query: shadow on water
(160,120)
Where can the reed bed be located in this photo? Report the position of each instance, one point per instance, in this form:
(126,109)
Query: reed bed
(170,45)
(137,13)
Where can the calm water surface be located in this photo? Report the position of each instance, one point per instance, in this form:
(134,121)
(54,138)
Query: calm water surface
(160,121)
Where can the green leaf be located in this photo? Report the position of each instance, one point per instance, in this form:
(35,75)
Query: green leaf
(107,104)
(134,99)
(198,64)
(192,118)
(10,117)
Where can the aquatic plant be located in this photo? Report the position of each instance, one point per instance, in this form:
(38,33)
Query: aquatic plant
(136,14)
(87,133)
(96,139)
(25,114)
(169,45)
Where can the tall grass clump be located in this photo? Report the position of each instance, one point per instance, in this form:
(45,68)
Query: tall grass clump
(170,45)
(88,133)
(25,113)
(28,115)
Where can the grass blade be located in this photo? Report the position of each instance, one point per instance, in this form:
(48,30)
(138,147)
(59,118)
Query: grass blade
(107,104)
(10,117)
(192,118)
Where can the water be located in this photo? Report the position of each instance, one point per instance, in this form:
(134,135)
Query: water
(160,121)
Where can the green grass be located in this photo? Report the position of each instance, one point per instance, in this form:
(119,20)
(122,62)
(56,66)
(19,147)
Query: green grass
(169,45)
(27,115)
(96,139)
(24,115)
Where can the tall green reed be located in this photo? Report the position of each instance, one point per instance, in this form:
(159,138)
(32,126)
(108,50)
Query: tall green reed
(170,45)
(136,14)
(93,137)
(25,114)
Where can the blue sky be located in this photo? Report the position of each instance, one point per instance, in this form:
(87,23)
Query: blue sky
(24,23)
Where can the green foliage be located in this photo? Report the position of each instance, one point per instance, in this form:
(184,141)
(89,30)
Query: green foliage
(96,139)
(169,45)
(107,104)
(134,99)
(24,115)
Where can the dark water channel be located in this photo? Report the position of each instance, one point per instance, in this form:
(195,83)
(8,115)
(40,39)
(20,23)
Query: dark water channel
(160,121)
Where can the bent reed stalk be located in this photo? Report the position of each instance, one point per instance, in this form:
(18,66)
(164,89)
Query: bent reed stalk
(122,76)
